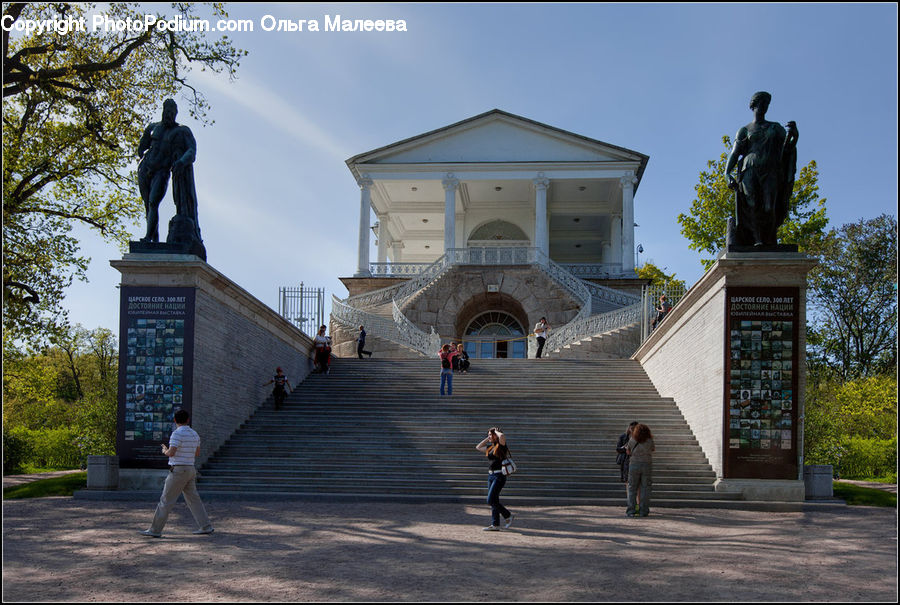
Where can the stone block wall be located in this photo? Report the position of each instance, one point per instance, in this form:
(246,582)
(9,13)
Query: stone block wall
(527,293)
(685,356)
(238,343)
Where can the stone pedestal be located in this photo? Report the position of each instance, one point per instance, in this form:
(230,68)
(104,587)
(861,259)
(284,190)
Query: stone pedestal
(697,357)
(232,348)
(819,481)
(102,472)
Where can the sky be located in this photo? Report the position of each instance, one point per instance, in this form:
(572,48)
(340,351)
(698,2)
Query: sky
(278,205)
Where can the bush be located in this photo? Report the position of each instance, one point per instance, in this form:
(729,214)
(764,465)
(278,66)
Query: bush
(43,448)
(861,458)
(16,449)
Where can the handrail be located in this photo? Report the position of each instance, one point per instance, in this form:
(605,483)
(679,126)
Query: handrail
(596,324)
(350,311)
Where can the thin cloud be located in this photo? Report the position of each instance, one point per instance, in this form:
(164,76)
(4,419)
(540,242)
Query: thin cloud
(275,110)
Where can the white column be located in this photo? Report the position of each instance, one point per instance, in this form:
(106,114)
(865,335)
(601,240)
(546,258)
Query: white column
(383,237)
(615,236)
(397,247)
(541,228)
(365,208)
(450,186)
(627,182)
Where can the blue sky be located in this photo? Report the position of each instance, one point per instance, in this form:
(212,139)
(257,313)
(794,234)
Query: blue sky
(278,205)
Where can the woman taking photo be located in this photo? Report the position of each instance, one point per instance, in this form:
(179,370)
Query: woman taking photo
(494,447)
(640,448)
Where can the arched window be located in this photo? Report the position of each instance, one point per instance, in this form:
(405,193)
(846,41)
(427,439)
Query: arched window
(498,231)
(495,334)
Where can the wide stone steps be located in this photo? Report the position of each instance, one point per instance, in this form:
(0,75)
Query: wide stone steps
(378,428)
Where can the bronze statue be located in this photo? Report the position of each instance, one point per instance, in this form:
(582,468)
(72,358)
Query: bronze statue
(168,147)
(766,157)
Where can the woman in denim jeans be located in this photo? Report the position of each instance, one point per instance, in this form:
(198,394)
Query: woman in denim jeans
(494,447)
(447,354)
(640,469)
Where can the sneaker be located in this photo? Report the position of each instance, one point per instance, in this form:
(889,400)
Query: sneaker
(508,521)
(492,528)
(205,530)
(151,533)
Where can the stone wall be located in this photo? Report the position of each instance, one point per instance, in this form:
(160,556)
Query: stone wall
(526,293)
(238,343)
(685,356)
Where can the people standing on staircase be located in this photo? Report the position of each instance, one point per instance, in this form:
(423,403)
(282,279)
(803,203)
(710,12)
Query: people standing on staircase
(279,392)
(447,356)
(494,447)
(640,470)
(662,309)
(541,331)
(322,345)
(361,343)
(622,457)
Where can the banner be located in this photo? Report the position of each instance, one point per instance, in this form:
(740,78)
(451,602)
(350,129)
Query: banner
(156,351)
(761,378)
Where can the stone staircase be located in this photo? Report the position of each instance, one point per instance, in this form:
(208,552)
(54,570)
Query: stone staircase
(378,428)
(620,343)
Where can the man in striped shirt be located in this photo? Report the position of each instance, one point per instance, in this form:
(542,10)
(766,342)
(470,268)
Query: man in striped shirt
(184,446)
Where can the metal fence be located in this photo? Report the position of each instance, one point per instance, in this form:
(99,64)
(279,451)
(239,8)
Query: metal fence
(302,306)
(650,299)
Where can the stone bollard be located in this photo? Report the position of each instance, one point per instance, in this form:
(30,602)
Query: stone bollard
(103,472)
(818,480)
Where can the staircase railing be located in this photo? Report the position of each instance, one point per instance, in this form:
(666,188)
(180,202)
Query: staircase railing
(351,313)
(352,317)
(596,324)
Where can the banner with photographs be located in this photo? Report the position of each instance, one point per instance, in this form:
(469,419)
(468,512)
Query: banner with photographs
(156,336)
(761,382)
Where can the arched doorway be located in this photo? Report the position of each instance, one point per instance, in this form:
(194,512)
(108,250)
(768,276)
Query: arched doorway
(495,334)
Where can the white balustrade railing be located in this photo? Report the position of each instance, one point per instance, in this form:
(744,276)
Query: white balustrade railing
(351,313)
(596,324)
(413,337)
(352,317)
(611,295)
(396,269)
(594,270)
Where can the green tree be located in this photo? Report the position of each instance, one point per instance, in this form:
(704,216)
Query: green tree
(650,271)
(705,225)
(853,296)
(74,106)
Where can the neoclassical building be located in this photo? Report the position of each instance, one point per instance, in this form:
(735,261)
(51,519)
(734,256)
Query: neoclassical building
(486,225)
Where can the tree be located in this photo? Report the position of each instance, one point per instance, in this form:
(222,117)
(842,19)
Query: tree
(853,295)
(74,106)
(706,224)
(650,271)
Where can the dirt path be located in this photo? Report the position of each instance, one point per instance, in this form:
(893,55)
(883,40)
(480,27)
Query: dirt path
(60,549)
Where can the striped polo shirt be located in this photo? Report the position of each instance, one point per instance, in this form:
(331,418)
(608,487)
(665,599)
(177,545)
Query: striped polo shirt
(187,441)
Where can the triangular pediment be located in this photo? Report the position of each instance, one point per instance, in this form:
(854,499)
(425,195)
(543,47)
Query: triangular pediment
(497,137)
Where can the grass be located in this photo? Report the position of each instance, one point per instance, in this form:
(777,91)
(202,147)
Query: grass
(856,495)
(58,486)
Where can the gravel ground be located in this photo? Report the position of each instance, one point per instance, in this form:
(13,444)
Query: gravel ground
(60,549)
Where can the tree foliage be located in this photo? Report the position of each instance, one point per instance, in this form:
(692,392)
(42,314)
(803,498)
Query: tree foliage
(659,277)
(59,403)
(74,107)
(853,295)
(705,225)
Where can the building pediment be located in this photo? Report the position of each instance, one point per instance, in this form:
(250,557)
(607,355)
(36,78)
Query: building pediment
(497,137)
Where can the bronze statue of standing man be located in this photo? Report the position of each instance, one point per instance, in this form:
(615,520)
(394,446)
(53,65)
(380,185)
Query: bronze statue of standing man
(168,147)
(765,154)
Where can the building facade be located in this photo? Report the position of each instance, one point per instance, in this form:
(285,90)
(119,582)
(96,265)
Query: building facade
(486,225)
